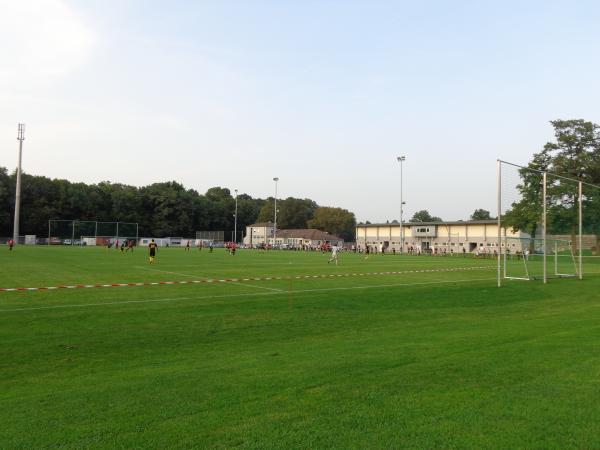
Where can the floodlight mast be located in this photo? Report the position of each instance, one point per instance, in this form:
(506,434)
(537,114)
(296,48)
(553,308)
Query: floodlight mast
(401,159)
(276,179)
(20,138)
(235,218)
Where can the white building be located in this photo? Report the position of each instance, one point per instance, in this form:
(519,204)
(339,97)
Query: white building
(258,234)
(472,235)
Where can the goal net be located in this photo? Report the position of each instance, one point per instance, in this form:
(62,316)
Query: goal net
(523,258)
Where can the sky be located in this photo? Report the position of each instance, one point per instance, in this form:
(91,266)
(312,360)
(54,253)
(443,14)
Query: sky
(322,94)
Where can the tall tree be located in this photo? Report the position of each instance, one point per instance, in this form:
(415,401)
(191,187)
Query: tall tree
(6,204)
(338,221)
(294,212)
(481,214)
(576,154)
(266,213)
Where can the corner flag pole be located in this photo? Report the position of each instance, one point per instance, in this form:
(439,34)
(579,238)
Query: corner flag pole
(20,138)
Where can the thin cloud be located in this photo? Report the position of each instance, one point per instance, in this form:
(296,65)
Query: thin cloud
(41,40)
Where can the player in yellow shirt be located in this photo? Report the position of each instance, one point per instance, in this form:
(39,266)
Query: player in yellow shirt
(152,249)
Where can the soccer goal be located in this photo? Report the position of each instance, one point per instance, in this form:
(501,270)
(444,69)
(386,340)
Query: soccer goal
(524,258)
(82,232)
(546,223)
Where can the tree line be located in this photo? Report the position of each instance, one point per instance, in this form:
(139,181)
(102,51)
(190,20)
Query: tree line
(161,209)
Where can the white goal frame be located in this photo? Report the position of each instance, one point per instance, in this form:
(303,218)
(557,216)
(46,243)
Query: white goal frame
(501,253)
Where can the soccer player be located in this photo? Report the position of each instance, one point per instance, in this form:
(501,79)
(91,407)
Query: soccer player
(11,244)
(334,255)
(187,246)
(152,248)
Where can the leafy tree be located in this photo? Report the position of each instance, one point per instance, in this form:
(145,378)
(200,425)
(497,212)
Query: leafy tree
(575,154)
(6,204)
(291,212)
(161,209)
(221,208)
(266,213)
(168,209)
(481,214)
(248,209)
(424,216)
(526,213)
(338,221)
(295,212)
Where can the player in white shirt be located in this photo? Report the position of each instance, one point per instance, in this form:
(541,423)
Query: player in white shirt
(334,255)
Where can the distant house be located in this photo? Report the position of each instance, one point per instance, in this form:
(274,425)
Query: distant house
(263,234)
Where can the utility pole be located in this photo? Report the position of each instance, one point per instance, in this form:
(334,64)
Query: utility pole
(20,138)
(401,159)
(276,179)
(235,220)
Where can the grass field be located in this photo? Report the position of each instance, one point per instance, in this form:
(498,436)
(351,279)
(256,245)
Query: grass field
(392,351)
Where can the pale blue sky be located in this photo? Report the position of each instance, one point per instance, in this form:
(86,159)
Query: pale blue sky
(322,94)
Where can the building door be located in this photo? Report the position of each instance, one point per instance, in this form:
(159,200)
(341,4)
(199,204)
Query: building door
(425,245)
(472,246)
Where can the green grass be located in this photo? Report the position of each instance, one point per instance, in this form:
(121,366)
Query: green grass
(421,358)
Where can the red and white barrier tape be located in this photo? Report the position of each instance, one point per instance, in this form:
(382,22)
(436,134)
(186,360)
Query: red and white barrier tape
(238,280)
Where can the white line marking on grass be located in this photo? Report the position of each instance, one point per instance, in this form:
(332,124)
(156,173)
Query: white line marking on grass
(257,287)
(249,294)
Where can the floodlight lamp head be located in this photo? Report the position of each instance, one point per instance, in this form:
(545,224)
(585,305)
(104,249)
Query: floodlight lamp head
(401,158)
(21,132)
(276,179)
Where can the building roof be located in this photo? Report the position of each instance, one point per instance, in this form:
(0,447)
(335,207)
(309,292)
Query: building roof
(415,224)
(308,233)
(261,224)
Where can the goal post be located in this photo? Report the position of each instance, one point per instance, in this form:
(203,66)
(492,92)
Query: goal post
(549,219)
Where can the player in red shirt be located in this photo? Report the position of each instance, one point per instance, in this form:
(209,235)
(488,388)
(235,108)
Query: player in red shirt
(11,244)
